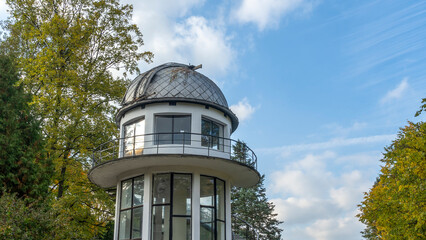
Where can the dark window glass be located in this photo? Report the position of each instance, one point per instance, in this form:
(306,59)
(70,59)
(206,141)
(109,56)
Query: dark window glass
(212,134)
(181,129)
(173,129)
(164,129)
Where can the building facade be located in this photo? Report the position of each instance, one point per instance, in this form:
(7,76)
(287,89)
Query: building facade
(174,164)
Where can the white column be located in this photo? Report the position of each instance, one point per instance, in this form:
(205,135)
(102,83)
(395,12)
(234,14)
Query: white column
(228,211)
(117,210)
(196,206)
(146,219)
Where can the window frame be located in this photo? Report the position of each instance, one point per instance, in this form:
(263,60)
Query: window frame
(131,208)
(123,140)
(170,204)
(215,206)
(220,138)
(186,135)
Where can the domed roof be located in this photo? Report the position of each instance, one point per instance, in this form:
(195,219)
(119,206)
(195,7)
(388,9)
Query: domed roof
(174,82)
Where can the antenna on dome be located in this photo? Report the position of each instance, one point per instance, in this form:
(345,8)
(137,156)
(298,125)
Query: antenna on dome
(192,67)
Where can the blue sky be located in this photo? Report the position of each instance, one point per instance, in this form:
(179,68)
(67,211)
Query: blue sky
(320,86)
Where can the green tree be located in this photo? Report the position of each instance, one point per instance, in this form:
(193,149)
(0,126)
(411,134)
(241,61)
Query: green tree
(250,205)
(370,231)
(20,221)
(25,169)
(66,52)
(395,207)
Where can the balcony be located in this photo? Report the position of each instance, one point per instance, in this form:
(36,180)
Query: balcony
(175,143)
(226,155)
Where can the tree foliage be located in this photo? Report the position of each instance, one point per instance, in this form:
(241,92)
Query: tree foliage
(20,221)
(395,207)
(66,51)
(252,206)
(24,166)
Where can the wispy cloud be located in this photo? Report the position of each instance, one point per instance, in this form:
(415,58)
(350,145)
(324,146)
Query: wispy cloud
(342,130)
(285,151)
(388,45)
(396,93)
(269,12)
(243,109)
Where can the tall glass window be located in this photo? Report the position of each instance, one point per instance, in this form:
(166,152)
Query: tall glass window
(173,129)
(131,208)
(171,206)
(133,143)
(212,134)
(212,208)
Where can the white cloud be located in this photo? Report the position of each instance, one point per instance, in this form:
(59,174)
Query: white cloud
(174,35)
(285,151)
(340,130)
(335,229)
(268,13)
(243,109)
(396,93)
(316,202)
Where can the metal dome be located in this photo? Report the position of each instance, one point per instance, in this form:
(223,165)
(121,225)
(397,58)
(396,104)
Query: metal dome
(174,82)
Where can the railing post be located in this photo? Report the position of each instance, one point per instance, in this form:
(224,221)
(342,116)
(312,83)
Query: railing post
(134,145)
(183,143)
(208,146)
(113,149)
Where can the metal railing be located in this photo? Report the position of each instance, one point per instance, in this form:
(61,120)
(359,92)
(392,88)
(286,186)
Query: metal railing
(175,143)
(242,230)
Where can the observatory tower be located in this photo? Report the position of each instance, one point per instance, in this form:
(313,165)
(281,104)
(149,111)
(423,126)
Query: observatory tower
(173,165)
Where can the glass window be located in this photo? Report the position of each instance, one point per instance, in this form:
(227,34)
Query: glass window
(161,194)
(182,228)
(160,222)
(207,191)
(126,194)
(182,194)
(167,186)
(212,134)
(173,129)
(212,208)
(207,223)
(134,139)
(131,208)
(220,199)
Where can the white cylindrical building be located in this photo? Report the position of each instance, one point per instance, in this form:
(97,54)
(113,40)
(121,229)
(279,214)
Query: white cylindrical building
(174,164)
